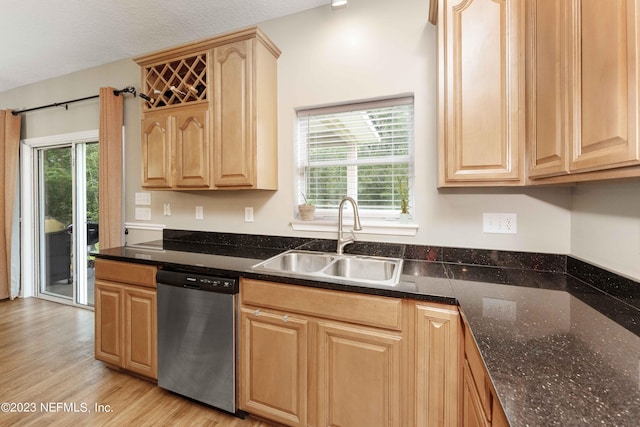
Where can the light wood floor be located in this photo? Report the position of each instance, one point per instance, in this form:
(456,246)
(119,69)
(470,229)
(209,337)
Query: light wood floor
(46,360)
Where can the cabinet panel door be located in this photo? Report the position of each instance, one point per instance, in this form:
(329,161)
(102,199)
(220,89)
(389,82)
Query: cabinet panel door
(274,366)
(108,323)
(481,69)
(438,358)
(192,148)
(547,95)
(473,415)
(140,331)
(606,84)
(156,151)
(358,376)
(234,152)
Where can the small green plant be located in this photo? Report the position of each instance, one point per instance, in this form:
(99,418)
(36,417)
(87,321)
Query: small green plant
(307,201)
(403,194)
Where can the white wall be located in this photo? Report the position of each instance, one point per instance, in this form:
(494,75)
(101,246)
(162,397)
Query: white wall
(371,48)
(605,226)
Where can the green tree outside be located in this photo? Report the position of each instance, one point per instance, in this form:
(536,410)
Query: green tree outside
(58,178)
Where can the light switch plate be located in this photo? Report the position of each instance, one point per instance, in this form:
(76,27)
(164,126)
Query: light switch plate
(143,214)
(143,199)
(199,212)
(248,214)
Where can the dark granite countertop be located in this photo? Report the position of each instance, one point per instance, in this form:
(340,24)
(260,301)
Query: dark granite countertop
(559,350)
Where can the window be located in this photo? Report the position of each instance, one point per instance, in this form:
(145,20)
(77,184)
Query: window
(362,150)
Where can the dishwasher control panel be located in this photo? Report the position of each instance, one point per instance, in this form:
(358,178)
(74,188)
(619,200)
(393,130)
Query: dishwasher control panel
(198,281)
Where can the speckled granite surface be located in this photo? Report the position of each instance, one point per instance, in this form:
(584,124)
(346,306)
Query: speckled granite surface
(559,352)
(560,338)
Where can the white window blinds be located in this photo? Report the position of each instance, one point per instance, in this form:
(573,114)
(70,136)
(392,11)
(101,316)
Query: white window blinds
(360,150)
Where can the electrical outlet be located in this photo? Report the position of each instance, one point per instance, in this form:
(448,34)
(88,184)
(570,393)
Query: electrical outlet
(499,309)
(248,214)
(167,209)
(199,212)
(143,214)
(502,223)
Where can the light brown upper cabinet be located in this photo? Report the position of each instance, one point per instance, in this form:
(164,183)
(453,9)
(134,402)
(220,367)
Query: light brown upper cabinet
(175,148)
(582,88)
(547,115)
(211,121)
(244,75)
(481,104)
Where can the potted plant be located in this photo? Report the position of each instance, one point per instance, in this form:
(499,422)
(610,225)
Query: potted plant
(306,209)
(403,194)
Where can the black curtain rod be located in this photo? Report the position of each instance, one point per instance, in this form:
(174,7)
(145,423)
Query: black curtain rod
(128,89)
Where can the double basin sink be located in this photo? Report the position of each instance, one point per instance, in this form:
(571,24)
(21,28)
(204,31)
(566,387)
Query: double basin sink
(352,268)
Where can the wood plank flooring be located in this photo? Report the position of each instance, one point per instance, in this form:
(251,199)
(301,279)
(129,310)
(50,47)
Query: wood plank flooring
(46,361)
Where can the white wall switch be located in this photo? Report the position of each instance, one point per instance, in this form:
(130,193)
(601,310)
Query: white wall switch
(502,223)
(167,209)
(143,214)
(199,212)
(143,199)
(248,214)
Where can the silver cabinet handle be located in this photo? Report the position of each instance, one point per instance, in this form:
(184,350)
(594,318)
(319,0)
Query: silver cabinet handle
(285,318)
(257,312)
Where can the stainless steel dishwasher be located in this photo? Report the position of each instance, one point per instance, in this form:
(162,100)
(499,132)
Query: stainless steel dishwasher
(197,337)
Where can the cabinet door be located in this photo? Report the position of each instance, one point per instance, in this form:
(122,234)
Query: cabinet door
(156,150)
(234,151)
(605,84)
(438,358)
(192,147)
(140,331)
(109,328)
(273,366)
(547,94)
(473,415)
(481,92)
(358,376)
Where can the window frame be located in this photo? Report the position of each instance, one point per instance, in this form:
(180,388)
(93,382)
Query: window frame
(302,144)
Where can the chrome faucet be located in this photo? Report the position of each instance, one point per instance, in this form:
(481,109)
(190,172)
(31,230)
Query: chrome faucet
(342,241)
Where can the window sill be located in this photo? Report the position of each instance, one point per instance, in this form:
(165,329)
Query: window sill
(391,228)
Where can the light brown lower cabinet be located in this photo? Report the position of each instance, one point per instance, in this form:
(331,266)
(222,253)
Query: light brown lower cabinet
(126,317)
(481,407)
(438,352)
(359,376)
(274,366)
(473,414)
(318,357)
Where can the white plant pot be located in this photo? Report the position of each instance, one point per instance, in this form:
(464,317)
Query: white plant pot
(306,212)
(404,218)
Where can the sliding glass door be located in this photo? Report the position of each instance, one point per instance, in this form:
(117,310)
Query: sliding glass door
(67,221)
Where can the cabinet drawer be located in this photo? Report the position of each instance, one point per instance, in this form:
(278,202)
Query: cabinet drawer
(478,372)
(383,312)
(124,272)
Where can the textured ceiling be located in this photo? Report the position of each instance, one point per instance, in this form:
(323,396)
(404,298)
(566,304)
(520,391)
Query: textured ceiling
(42,39)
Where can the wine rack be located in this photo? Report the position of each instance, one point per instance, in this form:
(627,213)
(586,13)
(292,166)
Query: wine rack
(176,82)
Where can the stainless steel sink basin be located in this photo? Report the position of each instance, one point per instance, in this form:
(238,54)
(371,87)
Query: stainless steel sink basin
(362,269)
(300,262)
(349,268)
